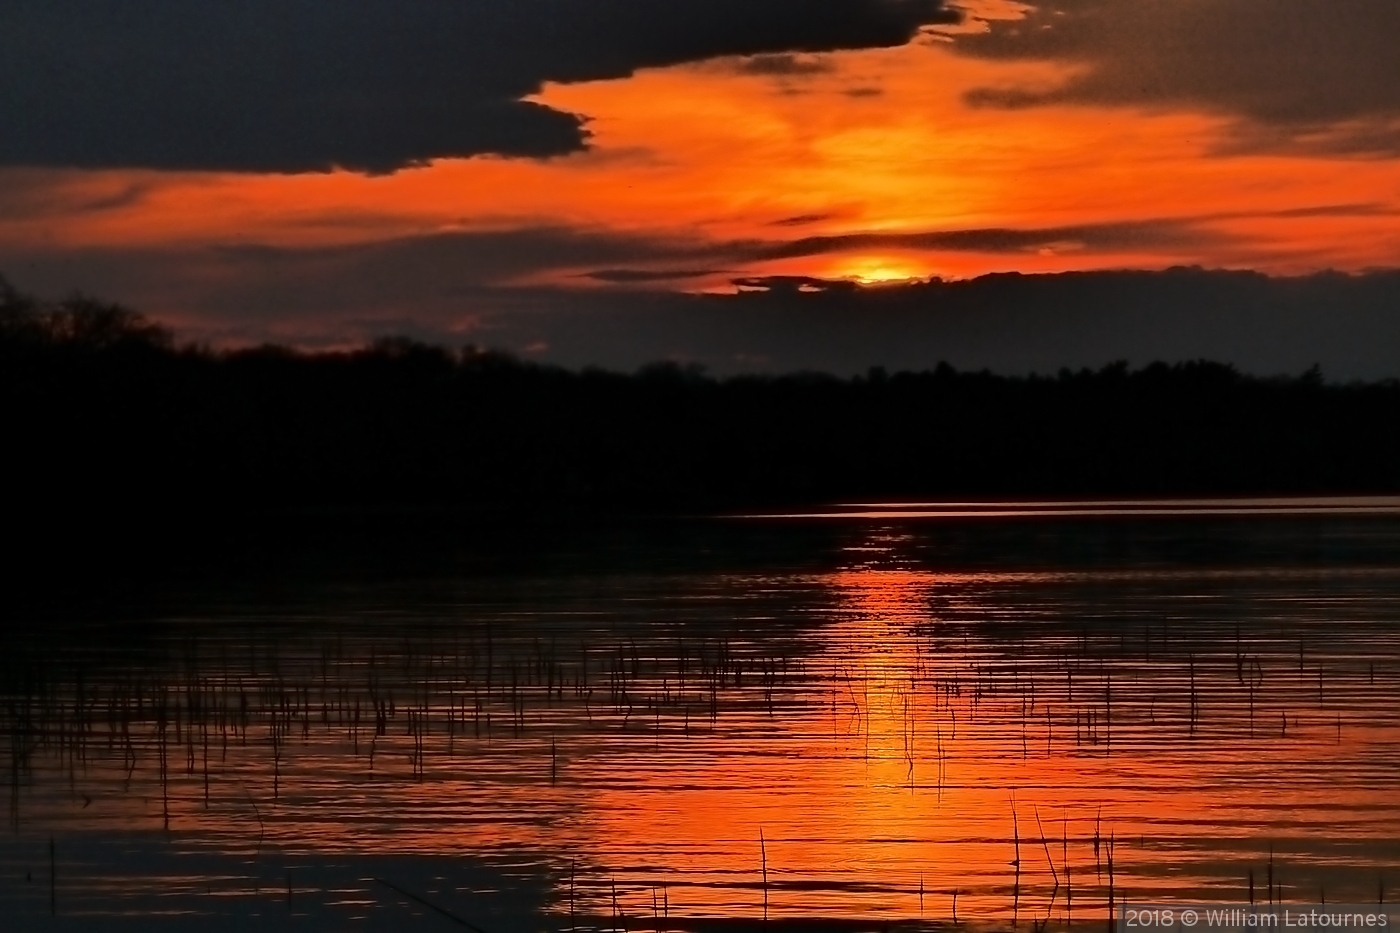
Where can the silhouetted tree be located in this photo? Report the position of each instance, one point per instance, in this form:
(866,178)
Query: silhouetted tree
(106,419)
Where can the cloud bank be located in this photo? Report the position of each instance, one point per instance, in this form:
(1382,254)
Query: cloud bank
(441,291)
(367,85)
(1316,77)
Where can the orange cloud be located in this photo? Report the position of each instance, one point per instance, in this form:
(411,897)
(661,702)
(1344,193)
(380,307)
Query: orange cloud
(869,142)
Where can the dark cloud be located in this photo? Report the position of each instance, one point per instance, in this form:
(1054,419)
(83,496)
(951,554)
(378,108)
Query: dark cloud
(411,272)
(624,276)
(1378,137)
(1009,323)
(784,65)
(30,194)
(1101,236)
(794,283)
(369,85)
(800,220)
(461,262)
(257,291)
(489,257)
(451,288)
(1323,77)
(1363,209)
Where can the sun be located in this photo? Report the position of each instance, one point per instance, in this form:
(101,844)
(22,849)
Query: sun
(879,270)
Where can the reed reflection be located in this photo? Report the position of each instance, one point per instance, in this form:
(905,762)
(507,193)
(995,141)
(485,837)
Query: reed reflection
(870,741)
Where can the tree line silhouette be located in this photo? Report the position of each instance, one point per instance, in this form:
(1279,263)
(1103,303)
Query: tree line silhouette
(107,417)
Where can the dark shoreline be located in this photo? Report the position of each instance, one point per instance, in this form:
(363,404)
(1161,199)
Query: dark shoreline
(129,458)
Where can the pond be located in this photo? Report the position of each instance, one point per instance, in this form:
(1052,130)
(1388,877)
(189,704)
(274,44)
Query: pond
(917,714)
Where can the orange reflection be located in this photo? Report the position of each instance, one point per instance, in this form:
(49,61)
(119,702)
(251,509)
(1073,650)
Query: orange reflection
(925,735)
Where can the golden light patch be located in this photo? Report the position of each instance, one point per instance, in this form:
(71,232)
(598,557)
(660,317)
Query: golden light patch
(877,270)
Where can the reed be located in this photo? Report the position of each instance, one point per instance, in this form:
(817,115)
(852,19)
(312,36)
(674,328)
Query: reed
(1016,882)
(1112,909)
(1064,858)
(1098,865)
(1046,846)
(1269,880)
(763,858)
(406,706)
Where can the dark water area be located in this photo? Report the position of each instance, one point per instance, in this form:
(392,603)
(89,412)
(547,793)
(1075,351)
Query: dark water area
(909,714)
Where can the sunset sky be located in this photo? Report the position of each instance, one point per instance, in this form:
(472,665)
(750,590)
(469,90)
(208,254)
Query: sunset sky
(592,182)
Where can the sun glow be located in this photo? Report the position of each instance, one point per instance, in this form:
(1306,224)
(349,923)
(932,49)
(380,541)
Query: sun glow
(716,172)
(880,270)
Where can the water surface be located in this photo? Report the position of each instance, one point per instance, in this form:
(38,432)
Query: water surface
(1025,711)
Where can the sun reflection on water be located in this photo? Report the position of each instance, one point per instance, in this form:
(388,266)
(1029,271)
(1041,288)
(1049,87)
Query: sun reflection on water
(895,734)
